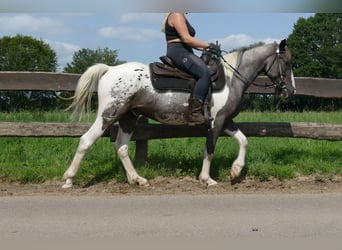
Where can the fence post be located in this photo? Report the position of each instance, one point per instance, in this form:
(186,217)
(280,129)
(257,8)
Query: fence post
(141,146)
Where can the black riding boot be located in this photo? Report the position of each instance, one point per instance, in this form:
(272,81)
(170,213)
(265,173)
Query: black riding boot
(195,115)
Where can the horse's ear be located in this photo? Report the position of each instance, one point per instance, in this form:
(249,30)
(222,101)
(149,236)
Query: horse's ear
(282,45)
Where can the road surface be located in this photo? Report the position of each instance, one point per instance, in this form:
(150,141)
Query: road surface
(148,217)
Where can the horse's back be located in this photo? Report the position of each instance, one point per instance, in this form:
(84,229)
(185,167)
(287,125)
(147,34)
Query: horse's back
(126,78)
(130,67)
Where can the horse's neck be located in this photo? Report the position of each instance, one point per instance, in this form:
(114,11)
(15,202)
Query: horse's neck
(252,61)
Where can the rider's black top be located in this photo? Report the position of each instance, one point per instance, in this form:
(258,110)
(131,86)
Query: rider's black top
(171,33)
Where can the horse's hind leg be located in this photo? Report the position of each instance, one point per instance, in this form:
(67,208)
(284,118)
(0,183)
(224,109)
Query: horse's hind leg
(126,128)
(86,141)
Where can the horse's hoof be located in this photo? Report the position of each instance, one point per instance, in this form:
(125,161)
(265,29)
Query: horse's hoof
(234,178)
(208,182)
(211,183)
(147,184)
(68,184)
(142,182)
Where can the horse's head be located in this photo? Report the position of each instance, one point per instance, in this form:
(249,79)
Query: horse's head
(279,70)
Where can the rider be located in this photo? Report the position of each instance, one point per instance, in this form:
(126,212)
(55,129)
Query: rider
(180,37)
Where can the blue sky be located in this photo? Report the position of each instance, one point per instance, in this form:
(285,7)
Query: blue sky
(136,35)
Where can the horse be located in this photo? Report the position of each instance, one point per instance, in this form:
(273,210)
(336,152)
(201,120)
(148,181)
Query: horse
(125,92)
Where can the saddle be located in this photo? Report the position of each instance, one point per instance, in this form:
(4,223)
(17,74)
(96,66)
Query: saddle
(166,76)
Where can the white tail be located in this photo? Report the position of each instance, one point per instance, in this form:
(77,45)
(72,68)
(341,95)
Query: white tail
(86,85)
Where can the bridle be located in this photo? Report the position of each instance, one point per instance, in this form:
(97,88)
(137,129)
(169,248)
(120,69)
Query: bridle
(278,85)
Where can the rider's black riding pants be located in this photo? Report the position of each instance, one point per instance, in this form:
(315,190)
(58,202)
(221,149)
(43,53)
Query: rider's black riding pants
(186,60)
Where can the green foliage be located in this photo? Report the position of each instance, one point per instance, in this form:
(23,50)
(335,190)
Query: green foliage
(259,102)
(36,160)
(24,53)
(85,58)
(316,46)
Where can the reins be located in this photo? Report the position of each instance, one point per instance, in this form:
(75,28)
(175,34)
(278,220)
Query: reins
(247,82)
(241,77)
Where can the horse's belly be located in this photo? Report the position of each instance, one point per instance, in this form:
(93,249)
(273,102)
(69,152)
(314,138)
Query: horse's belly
(168,108)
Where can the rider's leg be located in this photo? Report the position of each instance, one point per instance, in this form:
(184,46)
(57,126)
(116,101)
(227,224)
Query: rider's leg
(196,67)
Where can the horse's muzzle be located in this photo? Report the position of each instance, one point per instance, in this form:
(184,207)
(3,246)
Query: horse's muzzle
(282,90)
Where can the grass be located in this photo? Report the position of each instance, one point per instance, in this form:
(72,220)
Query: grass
(35,160)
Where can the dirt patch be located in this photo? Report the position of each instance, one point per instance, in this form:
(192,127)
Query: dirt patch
(176,186)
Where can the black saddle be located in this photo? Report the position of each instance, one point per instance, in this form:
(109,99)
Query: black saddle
(166,76)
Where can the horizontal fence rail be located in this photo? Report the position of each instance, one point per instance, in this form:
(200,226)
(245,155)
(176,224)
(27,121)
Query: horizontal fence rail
(47,81)
(321,131)
(318,87)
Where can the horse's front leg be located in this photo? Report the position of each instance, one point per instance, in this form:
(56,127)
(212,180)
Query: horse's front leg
(239,163)
(204,176)
(212,136)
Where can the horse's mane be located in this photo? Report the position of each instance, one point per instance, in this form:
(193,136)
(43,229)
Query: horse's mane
(239,52)
(252,46)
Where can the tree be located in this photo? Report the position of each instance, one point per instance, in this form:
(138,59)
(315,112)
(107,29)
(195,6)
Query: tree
(316,46)
(24,53)
(85,58)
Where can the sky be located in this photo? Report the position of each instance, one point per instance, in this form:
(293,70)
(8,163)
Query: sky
(135,31)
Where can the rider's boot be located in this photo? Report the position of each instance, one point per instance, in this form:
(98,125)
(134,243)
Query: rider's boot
(195,115)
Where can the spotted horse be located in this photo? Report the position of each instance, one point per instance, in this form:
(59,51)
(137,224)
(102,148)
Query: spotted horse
(125,92)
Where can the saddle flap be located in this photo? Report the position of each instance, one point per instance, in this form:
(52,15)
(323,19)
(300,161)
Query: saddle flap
(168,71)
(165,78)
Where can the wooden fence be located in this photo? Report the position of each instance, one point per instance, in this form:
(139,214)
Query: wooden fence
(318,87)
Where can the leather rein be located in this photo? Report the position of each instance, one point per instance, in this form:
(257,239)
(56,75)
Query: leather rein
(277,85)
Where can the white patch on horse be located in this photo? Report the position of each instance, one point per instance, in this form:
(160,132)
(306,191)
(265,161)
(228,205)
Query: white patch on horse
(129,78)
(293,82)
(221,97)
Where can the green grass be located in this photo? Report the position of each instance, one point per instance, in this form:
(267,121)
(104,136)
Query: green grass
(35,160)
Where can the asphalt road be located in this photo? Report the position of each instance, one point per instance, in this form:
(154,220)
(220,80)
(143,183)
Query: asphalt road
(158,217)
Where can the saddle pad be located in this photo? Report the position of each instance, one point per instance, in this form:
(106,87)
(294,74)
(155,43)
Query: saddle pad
(166,78)
(169,80)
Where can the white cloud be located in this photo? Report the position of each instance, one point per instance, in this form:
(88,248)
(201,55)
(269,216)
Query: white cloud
(240,40)
(132,29)
(24,23)
(64,51)
(130,33)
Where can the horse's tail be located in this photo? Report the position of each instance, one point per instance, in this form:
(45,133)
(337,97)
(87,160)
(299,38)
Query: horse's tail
(86,85)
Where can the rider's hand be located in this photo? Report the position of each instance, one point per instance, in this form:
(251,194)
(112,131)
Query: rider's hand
(214,48)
